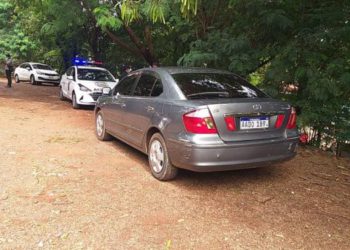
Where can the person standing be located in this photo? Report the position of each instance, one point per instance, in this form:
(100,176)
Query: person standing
(126,69)
(8,70)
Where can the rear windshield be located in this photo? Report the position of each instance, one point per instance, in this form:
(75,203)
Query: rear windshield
(215,85)
(42,66)
(94,75)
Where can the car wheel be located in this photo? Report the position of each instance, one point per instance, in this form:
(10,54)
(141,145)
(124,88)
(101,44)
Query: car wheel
(101,132)
(158,159)
(61,96)
(74,101)
(17,79)
(32,80)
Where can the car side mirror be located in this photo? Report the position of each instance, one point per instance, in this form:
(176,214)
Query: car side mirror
(70,77)
(29,69)
(106,91)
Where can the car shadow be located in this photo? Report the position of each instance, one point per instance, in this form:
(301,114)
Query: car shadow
(131,153)
(191,180)
(46,85)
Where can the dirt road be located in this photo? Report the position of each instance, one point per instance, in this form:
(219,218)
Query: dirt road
(61,188)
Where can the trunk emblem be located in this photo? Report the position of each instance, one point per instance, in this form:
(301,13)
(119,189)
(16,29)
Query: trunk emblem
(257,107)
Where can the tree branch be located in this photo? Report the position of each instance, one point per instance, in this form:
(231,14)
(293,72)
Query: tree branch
(215,12)
(261,64)
(123,44)
(134,38)
(148,38)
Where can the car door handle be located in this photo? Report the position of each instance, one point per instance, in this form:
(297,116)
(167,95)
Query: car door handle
(149,109)
(118,102)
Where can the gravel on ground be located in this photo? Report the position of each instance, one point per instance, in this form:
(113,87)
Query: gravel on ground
(61,188)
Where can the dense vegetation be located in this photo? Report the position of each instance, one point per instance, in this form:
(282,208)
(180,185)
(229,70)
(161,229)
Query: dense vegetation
(297,50)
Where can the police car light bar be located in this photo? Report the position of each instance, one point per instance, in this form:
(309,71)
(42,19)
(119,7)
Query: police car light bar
(82,62)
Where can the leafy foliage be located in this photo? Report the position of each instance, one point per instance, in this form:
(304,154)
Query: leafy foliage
(13,39)
(296,50)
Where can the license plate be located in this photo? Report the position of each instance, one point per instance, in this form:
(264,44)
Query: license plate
(254,122)
(51,77)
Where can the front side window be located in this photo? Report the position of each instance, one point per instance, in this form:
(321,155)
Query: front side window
(215,85)
(157,88)
(125,86)
(27,66)
(69,71)
(95,75)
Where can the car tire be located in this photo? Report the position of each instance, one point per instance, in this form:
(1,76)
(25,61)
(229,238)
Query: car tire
(61,96)
(100,129)
(158,158)
(74,101)
(17,79)
(32,80)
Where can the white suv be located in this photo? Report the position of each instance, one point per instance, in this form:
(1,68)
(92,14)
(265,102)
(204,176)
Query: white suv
(36,73)
(84,84)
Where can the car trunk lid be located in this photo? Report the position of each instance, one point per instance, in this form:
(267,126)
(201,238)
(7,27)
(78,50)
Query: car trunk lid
(250,119)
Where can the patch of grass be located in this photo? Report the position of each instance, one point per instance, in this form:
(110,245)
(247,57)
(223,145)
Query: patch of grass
(64,140)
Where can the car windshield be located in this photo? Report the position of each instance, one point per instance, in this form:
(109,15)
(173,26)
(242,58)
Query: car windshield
(94,75)
(42,66)
(215,85)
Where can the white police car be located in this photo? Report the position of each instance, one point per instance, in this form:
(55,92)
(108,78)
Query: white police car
(84,84)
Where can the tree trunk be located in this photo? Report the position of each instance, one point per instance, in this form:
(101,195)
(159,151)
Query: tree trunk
(145,51)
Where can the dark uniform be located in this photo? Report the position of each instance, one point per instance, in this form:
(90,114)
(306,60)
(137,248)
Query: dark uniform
(8,70)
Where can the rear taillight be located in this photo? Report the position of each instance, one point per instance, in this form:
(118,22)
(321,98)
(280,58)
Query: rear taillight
(279,121)
(292,121)
(230,123)
(199,122)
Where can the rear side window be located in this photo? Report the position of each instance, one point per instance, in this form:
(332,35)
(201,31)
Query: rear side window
(215,85)
(125,86)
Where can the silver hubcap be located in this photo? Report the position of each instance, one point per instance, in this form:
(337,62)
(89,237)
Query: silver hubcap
(99,125)
(156,156)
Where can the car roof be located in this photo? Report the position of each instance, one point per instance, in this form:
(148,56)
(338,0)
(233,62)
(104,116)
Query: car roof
(177,70)
(89,67)
(37,63)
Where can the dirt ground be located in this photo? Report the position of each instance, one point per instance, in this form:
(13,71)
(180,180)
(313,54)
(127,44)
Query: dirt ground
(61,188)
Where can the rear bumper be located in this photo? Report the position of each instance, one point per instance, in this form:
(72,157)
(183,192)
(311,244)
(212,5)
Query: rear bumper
(230,156)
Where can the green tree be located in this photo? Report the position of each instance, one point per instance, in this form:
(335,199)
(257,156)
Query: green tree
(12,38)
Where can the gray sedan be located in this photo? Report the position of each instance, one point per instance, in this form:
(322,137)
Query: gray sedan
(197,119)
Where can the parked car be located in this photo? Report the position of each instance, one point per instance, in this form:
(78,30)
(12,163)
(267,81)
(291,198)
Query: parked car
(197,119)
(36,73)
(83,84)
